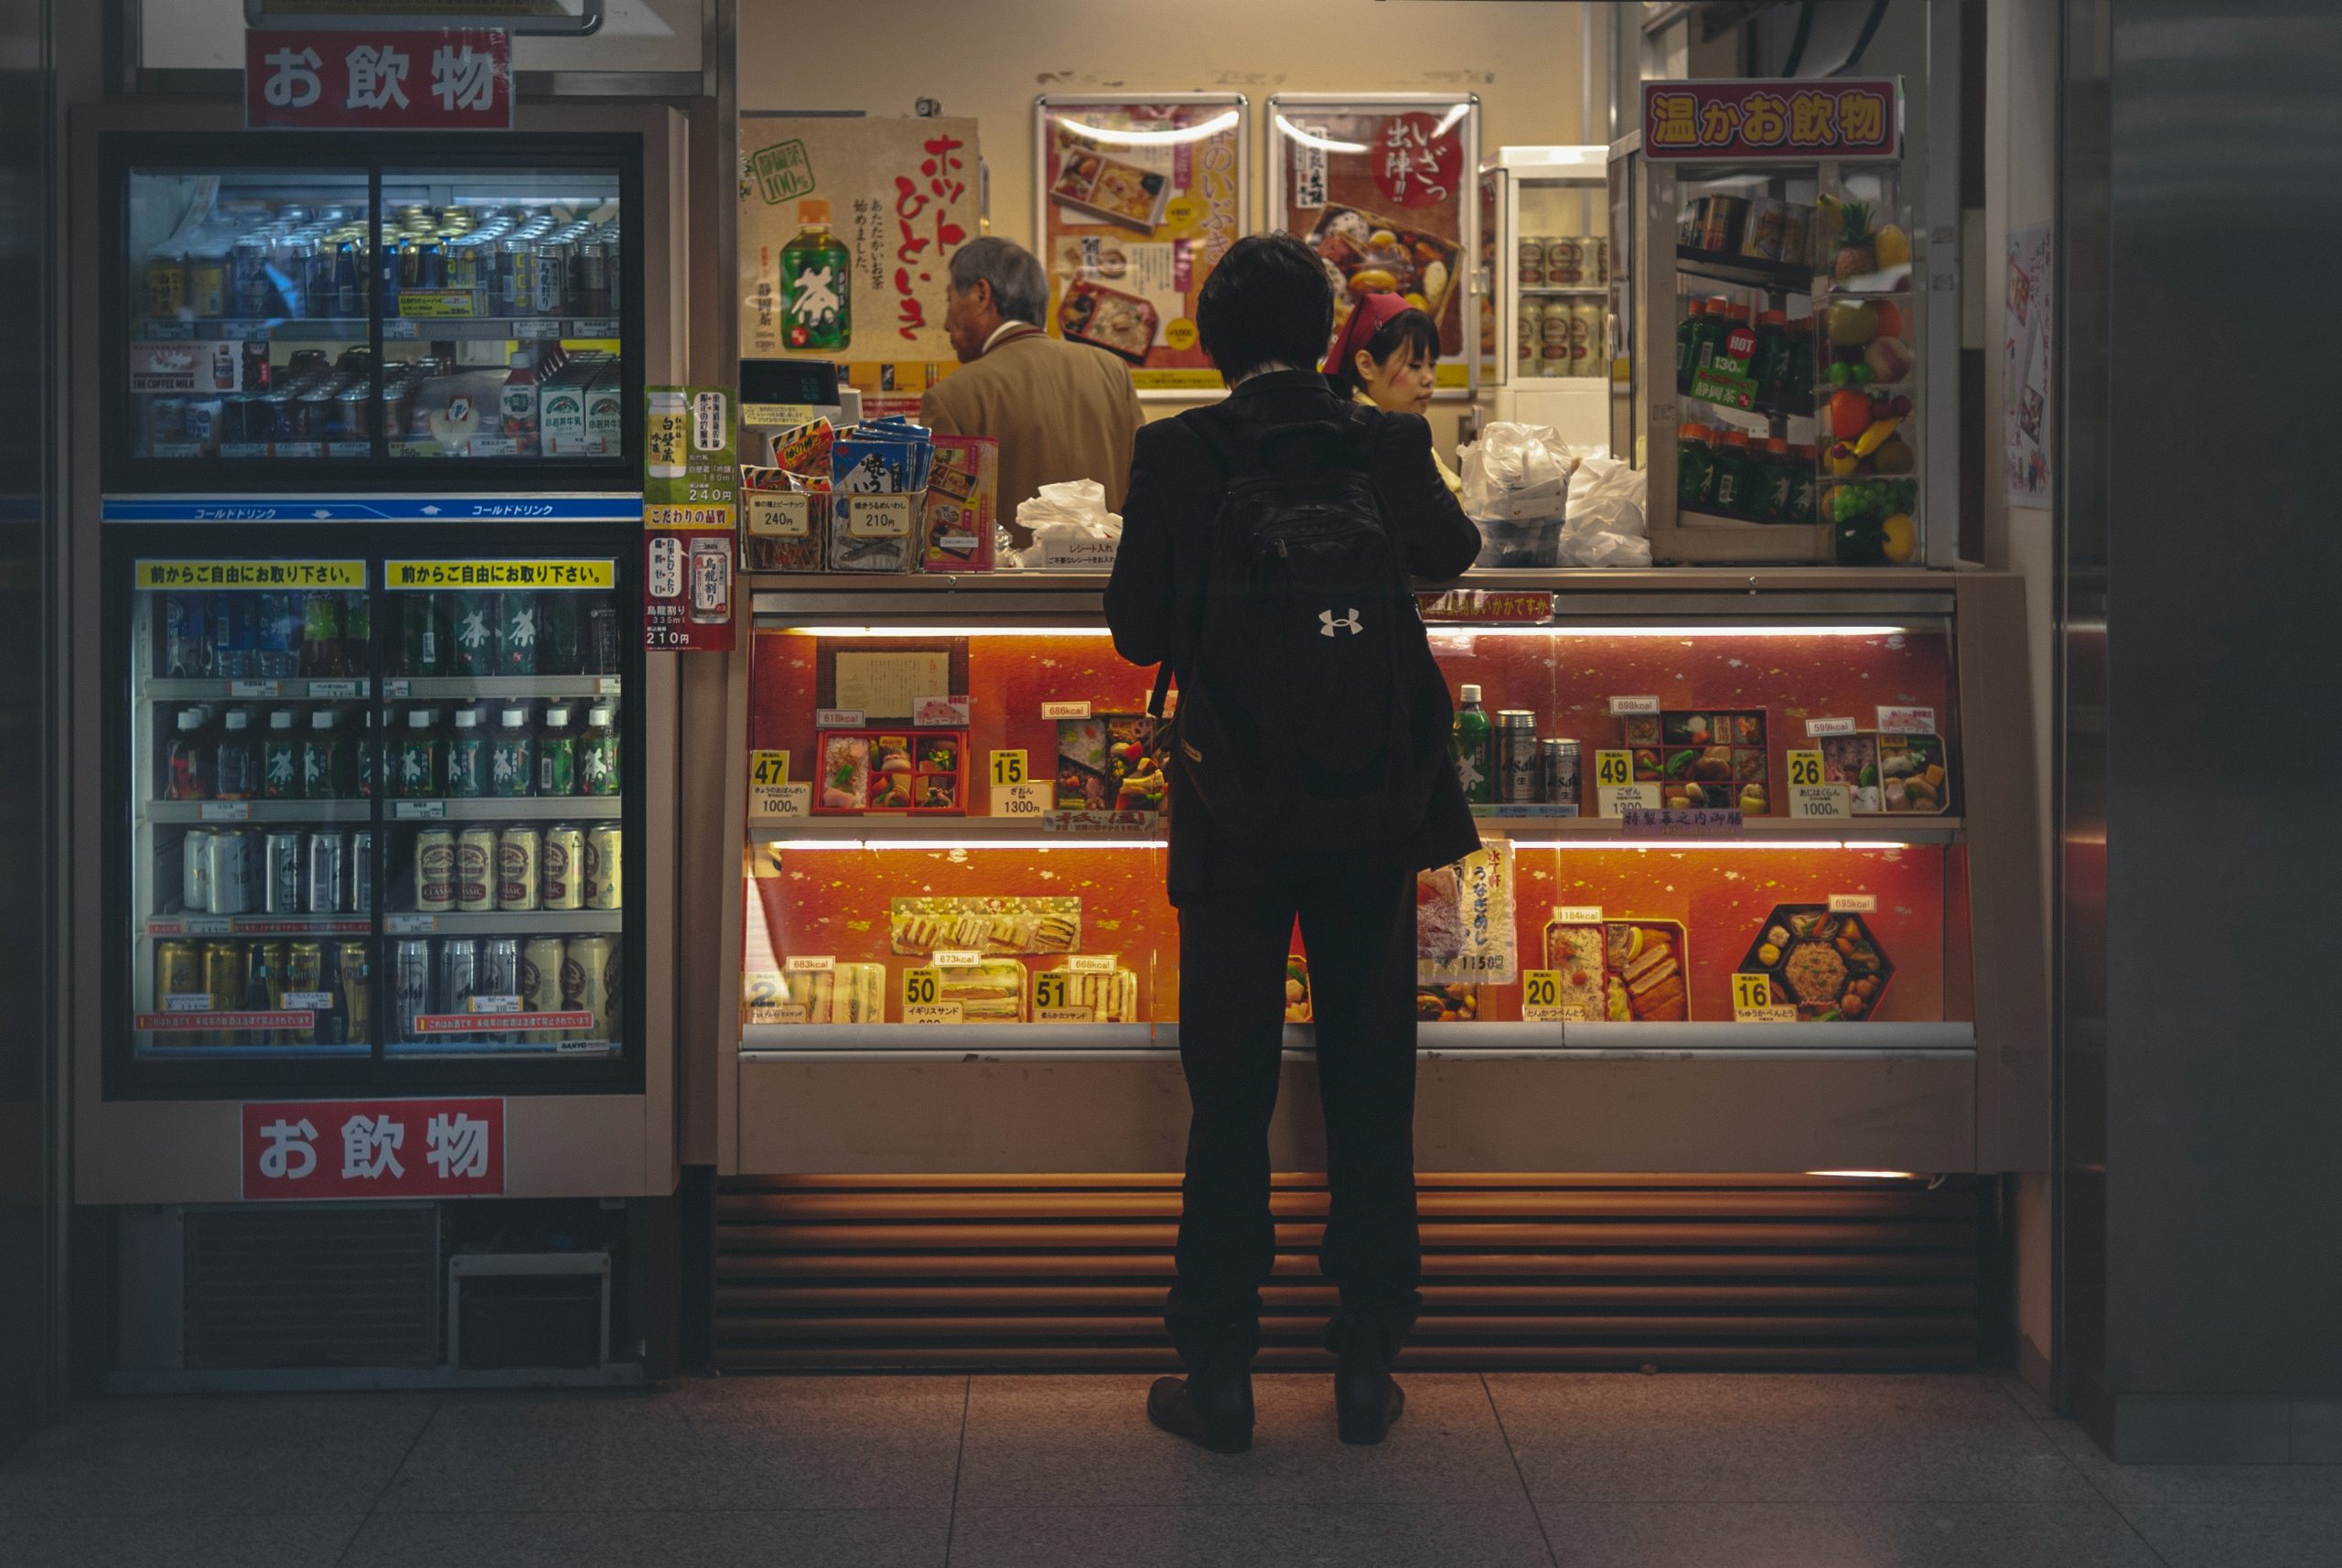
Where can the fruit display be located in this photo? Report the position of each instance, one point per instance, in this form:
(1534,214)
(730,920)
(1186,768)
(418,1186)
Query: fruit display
(1870,255)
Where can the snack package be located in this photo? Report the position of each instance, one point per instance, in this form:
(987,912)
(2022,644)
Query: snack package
(787,526)
(992,992)
(1649,967)
(805,450)
(1463,919)
(963,500)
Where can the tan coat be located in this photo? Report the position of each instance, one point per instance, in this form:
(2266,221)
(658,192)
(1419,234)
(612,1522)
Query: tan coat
(1061,410)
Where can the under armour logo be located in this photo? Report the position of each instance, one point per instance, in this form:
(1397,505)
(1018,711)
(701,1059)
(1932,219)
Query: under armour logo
(1327,622)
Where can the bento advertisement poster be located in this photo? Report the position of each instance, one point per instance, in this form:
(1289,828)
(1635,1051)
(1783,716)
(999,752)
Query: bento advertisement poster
(847,229)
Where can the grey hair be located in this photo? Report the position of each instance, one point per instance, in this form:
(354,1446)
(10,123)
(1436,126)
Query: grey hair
(1020,289)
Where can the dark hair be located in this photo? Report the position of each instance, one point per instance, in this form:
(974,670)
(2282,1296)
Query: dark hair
(1409,329)
(1268,300)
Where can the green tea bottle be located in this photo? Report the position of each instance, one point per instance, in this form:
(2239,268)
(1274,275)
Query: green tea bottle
(1472,748)
(816,284)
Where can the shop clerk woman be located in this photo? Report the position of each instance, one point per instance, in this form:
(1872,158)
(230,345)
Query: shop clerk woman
(1263,317)
(1387,355)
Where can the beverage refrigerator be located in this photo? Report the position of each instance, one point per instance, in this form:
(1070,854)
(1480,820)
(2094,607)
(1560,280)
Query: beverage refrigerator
(375,792)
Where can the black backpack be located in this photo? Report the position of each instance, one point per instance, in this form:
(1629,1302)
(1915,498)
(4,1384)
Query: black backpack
(1311,716)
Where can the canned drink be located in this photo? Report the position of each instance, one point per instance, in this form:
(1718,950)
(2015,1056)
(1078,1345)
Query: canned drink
(1586,333)
(311,269)
(518,853)
(353,967)
(541,983)
(1554,341)
(604,844)
(178,971)
(305,976)
(1531,266)
(165,422)
(328,877)
(280,882)
(349,278)
(434,871)
(1565,262)
(1529,329)
(476,869)
(410,986)
(223,983)
(499,967)
(361,872)
(458,978)
(207,283)
(589,983)
(563,877)
(248,276)
(549,279)
(1558,772)
(593,274)
(230,859)
(204,418)
(264,971)
(1515,757)
(195,870)
(711,579)
(516,278)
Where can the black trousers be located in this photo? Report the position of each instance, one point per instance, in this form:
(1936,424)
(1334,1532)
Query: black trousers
(1358,928)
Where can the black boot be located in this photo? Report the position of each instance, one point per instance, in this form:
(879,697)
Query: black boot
(1212,1405)
(1366,1401)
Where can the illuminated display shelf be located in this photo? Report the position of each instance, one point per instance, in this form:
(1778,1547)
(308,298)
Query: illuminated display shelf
(1603,833)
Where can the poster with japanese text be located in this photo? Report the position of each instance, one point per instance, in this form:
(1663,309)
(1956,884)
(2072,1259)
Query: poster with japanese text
(1384,189)
(690,500)
(1793,119)
(1137,201)
(847,229)
(2026,384)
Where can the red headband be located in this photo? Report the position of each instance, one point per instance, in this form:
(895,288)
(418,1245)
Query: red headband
(1366,319)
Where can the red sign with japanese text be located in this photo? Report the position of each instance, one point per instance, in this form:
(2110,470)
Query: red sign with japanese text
(368,80)
(302,1149)
(1787,118)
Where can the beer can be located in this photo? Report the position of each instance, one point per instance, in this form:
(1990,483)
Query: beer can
(361,872)
(265,988)
(1565,262)
(459,978)
(410,986)
(1515,757)
(353,966)
(1557,772)
(499,967)
(604,842)
(229,857)
(519,855)
(562,877)
(195,870)
(435,872)
(328,872)
(516,279)
(476,869)
(1531,269)
(1588,324)
(305,977)
(1554,341)
(248,284)
(178,971)
(541,983)
(223,982)
(281,881)
(588,984)
(711,579)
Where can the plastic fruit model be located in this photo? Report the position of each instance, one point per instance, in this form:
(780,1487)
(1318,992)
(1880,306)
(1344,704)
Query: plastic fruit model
(1849,414)
(1892,246)
(1857,245)
(1898,536)
(1851,323)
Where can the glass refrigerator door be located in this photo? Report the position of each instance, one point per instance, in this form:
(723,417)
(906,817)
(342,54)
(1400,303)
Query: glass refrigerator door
(251,850)
(507,726)
(247,332)
(503,293)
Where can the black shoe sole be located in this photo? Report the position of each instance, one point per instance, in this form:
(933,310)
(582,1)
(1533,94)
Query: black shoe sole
(1366,1434)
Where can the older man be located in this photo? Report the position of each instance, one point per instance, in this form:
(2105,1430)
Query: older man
(1061,410)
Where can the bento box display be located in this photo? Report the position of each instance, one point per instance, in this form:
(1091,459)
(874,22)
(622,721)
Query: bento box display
(1648,966)
(1704,758)
(1121,324)
(1888,774)
(1104,186)
(1111,762)
(1829,966)
(1365,253)
(1577,952)
(918,771)
(1451,1003)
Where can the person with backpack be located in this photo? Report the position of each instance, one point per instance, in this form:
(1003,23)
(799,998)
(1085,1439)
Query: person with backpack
(1268,546)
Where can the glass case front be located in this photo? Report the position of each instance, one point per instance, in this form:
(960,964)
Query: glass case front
(274,318)
(1670,812)
(380,809)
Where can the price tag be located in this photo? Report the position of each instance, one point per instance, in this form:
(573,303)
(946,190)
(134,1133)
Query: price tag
(1050,992)
(1751,1002)
(1541,997)
(767,776)
(1822,803)
(1613,770)
(955,958)
(1854,903)
(1065,1015)
(418,810)
(920,987)
(1007,768)
(1617,800)
(1817,728)
(226,811)
(1020,800)
(1091,963)
(779,1013)
(410,925)
(1805,770)
(1623,707)
(809,964)
(1906,721)
(837,718)
(492,1003)
(313,1000)
(335,691)
(785,800)
(256,687)
(397,688)
(187,1002)
(1065,710)
(933,1013)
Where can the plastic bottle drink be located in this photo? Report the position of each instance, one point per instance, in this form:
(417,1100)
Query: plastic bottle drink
(417,769)
(816,284)
(518,405)
(512,755)
(1687,343)
(557,755)
(472,622)
(328,760)
(468,755)
(516,635)
(187,759)
(280,758)
(599,770)
(598,652)
(186,635)
(423,635)
(356,632)
(1471,747)
(559,629)
(280,636)
(1736,474)
(321,652)
(1695,473)
(236,636)
(235,775)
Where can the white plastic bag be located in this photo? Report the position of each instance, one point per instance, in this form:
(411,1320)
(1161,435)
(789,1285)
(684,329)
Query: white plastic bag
(1071,526)
(1606,524)
(1516,473)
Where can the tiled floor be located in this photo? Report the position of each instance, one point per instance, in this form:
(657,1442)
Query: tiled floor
(1505,1471)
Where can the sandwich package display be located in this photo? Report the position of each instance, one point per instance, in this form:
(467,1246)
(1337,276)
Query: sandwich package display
(844,994)
(1039,924)
(992,992)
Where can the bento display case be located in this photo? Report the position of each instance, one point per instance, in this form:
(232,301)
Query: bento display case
(1736,845)
(1781,271)
(359,312)
(1545,307)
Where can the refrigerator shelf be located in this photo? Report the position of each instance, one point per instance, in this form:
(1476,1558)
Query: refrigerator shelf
(415,687)
(425,1050)
(341,925)
(182,689)
(246,1053)
(396,328)
(259,811)
(507,807)
(507,923)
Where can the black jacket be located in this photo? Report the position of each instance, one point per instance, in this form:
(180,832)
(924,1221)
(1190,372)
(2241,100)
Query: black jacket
(1176,485)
